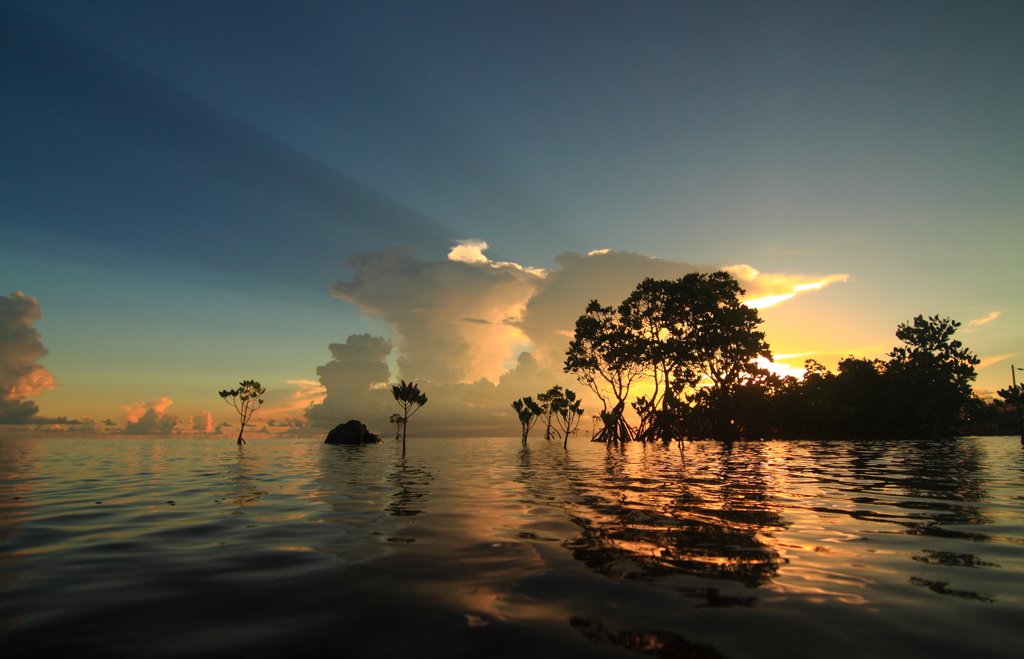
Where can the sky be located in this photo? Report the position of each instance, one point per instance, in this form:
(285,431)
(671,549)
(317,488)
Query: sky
(328,197)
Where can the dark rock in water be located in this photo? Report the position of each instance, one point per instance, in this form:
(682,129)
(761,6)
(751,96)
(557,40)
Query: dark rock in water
(353,432)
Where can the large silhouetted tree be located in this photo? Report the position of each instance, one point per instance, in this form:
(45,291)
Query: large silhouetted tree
(657,317)
(930,376)
(603,356)
(1014,396)
(690,339)
(246,400)
(723,345)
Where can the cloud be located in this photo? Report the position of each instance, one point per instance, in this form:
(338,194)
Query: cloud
(349,380)
(286,423)
(151,423)
(202,422)
(987,319)
(295,399)
(781,368)
(767,290)
(20,348)
(149,418)
(988,361)
(469,251)
(425,302)
(136,411)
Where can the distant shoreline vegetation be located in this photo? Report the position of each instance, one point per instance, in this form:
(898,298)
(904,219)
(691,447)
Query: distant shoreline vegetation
(682,354)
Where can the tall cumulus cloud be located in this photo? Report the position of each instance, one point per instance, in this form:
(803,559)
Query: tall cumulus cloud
(453,319)
(20,348)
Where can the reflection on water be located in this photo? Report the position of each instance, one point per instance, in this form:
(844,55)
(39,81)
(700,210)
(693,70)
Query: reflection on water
(951,559)
(942,588)
(412,483)
(652,643)
(244,482)
(661,516)
(484,546)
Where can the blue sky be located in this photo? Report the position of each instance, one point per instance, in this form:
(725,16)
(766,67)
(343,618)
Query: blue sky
(183,181)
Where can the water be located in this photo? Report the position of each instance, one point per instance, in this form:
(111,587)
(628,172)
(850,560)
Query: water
(475,547)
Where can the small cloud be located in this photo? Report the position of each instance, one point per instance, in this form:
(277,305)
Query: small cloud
(987,319)
(469,251)
(151,423)
(136,411)
(480,321)
(767,290)
(202,422)
(793,356)
(988,361)
(149,418)
(286,423)
(780,369)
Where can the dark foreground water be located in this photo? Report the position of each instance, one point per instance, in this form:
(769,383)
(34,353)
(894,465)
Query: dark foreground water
(478,548)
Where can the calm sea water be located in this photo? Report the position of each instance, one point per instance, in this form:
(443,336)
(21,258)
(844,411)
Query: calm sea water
(479,548)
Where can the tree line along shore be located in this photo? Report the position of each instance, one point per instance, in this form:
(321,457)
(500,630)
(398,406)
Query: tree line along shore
(683,356)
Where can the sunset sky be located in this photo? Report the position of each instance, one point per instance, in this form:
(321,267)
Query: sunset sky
(197,193)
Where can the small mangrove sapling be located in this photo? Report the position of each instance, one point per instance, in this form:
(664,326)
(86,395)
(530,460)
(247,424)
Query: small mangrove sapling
(246,400)
(529,412)
(550,401)
(398,422)
(411,400)
(569,409)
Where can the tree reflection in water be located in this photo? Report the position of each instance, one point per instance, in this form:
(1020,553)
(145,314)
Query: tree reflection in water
(243,476)
(920,486)
(412,483)
(658,517)
(652,643)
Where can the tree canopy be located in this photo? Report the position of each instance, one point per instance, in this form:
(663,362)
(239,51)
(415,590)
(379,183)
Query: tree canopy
(684,355)
(690,341)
